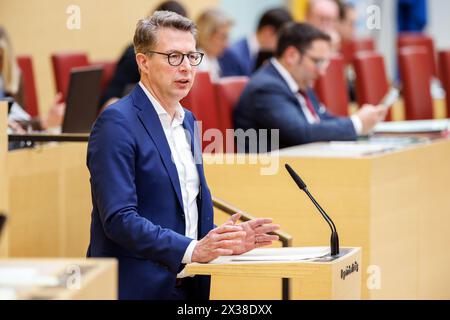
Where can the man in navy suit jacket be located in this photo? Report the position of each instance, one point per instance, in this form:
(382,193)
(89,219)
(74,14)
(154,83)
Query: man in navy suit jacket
(279,95)
(152,208)
(240,59)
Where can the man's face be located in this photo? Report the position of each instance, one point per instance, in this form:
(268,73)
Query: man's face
(347,27)
(218,41)
(170,83)
(324,15)
(312,64)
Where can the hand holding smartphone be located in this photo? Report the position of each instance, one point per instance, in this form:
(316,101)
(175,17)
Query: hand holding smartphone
(390,98)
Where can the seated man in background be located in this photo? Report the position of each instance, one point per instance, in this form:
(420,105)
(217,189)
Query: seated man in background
(347,20)
(324,15)
(279,95)
(126,74)
(241,58)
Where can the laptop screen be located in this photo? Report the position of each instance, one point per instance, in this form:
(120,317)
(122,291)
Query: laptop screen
(82,99)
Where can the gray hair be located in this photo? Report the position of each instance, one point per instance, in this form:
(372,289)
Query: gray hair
(146,29)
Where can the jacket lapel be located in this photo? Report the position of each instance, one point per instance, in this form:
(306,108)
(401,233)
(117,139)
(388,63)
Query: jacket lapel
(150,120)
(196,150)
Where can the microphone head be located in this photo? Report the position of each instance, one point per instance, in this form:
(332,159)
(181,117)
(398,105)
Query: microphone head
(295,177)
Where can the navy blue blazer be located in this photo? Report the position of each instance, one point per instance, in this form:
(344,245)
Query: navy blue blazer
(137,214)
(267,102)
(236,60)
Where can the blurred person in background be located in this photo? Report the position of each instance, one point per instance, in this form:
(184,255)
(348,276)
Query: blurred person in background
(11,86)
(324,15)
(246,55)
(212,39)
(347,21)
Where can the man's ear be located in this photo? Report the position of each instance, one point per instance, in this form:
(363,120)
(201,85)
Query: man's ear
(142,62)
(291,55)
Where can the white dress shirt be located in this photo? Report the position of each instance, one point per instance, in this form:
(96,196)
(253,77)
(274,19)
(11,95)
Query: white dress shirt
(357,124)
(212,66)
(180,148)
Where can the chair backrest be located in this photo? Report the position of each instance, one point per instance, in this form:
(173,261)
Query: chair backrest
(25,63)
(415,39)
(416,75)
(349,49)
(202,101)
(444,67)
(371,79)
(228,90)
(63,64)
(332,88)
(109,67)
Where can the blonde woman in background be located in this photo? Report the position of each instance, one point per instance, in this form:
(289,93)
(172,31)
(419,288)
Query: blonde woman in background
(212,39)
(11,86)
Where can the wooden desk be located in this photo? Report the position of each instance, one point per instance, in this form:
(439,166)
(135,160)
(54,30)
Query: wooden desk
(50,201)
(62,279)
(395,206)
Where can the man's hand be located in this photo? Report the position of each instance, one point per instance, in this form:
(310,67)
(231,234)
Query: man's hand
(218,242)
(256,233)
(370,115)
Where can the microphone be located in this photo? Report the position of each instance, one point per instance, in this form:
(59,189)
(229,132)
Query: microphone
(334,241)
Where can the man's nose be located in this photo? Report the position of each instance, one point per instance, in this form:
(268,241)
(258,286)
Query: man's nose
(185,64)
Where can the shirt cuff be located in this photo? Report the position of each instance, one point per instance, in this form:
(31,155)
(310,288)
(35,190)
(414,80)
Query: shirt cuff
(187,258)
(357,124)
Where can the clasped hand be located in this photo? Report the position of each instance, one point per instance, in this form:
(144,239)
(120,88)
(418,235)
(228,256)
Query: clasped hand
(232,238)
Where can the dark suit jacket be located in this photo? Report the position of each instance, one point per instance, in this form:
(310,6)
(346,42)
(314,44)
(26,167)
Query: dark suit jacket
(268,103)
(126,73)
(236,60)
(137,214)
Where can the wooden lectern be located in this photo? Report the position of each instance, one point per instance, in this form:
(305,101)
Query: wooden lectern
(325,277)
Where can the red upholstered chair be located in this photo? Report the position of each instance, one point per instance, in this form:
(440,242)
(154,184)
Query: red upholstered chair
(414,39)
(25,63)
(228,91)
(332,88)
(350,48)
(202,101)
(371,79)
(444,67)
(108,71)
(62,64)
(416,74)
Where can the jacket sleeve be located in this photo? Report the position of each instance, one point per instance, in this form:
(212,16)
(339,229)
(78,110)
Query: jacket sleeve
(276,110)
(111,162)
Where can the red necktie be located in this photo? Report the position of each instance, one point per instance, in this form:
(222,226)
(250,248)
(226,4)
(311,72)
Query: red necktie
(310,106)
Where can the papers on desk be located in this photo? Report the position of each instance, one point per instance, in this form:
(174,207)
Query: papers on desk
(410,127)
(338,149)
(276,255)
(17,277)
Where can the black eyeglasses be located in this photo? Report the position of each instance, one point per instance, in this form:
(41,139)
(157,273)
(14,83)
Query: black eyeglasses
(319,62)
(176,58)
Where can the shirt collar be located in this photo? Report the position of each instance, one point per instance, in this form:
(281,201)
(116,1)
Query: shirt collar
(285,75)
(179,112)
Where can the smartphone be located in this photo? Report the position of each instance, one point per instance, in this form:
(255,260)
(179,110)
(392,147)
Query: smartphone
(390,98)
